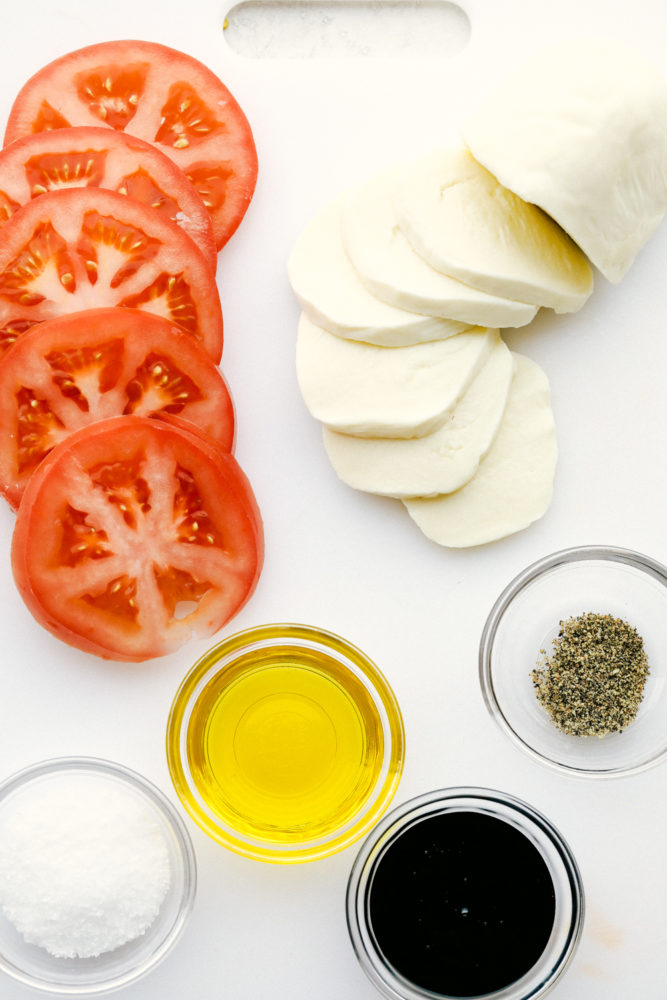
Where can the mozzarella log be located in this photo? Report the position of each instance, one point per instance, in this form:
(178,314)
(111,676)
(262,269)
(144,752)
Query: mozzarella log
(581,131)
(464,223)
(391,269)
(514,483)
(361,389)
(439,462)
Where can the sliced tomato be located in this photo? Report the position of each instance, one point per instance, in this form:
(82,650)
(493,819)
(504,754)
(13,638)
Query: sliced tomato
(161,95)
(87,248)
(135,535)
(69,372)
(99,157)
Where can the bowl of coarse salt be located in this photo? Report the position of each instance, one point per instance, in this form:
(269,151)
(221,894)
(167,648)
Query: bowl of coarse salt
(97,876)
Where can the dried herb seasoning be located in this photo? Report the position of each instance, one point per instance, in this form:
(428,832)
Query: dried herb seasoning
(592,683)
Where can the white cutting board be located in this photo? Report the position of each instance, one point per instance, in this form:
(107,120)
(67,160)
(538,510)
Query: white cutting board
(356,564)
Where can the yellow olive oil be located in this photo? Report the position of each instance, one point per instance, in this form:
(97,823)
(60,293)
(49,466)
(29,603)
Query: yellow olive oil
(285,744)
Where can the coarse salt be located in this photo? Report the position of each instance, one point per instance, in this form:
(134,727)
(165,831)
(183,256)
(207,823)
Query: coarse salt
(84,864)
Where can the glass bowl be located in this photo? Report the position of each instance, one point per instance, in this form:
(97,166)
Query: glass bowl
(285,743)
(399,833)
(525,620)
(35,966)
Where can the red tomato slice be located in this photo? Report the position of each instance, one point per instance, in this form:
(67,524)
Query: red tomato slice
(87,248)
(69,372)
(161,95)
(134,535)
(100,157)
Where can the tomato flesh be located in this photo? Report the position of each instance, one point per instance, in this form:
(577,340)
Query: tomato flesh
(101,157)
(85,248)
(69,372)
(134,535)
(47,117)
(185,119)
(48,171)
(112,93)
(186,111)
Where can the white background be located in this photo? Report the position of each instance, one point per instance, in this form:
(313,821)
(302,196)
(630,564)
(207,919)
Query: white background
(355,564)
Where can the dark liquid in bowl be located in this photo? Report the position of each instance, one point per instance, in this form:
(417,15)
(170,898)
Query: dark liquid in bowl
(461,904)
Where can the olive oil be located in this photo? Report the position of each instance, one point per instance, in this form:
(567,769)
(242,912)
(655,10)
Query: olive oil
(285,744)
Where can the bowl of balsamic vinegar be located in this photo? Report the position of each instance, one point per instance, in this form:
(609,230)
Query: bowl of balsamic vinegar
(465,892)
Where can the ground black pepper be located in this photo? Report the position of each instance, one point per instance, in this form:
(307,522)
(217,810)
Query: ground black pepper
(592,683)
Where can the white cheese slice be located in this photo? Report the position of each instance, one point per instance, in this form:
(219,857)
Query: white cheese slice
(358,388)
(332,295)
(581,130)
(391,269)
(463,222)
(514,483)
(439,462)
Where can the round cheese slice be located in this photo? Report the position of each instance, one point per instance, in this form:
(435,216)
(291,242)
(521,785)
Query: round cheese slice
(362,389)
(391,269)
(464,223)
(332,295)
(581,130)
(514,482)
(439,462)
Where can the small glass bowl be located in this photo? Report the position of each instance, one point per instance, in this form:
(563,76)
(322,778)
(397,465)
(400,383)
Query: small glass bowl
(525,620)
(35,966)
(560,863)
(285,743)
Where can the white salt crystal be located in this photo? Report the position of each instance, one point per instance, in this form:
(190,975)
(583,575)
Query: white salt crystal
(84,865)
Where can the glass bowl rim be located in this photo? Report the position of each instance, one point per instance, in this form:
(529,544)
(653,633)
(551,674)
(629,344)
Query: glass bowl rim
(397,820)
(535,570)
(394,734)
(158,800)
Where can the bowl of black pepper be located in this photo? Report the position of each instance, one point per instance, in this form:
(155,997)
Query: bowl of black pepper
(571,664)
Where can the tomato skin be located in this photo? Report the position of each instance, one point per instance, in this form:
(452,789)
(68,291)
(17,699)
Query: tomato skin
(136,541)
(84,248)
(69,372)
(101,157)
(161,95)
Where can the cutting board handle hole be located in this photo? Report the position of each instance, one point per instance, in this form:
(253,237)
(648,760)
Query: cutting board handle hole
(278,29)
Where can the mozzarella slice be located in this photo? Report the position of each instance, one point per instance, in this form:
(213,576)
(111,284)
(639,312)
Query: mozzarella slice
(581,130)
(358,388)
(391,270)
(514,483)
(441,461)
(465,224)
(332,295)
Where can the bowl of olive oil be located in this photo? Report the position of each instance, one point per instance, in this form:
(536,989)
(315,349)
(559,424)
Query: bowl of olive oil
(285,743)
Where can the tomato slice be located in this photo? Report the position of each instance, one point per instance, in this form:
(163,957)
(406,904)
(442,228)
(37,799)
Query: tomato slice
(69,372)
(87,248)
(161,95)
(99,157)
(133,536)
